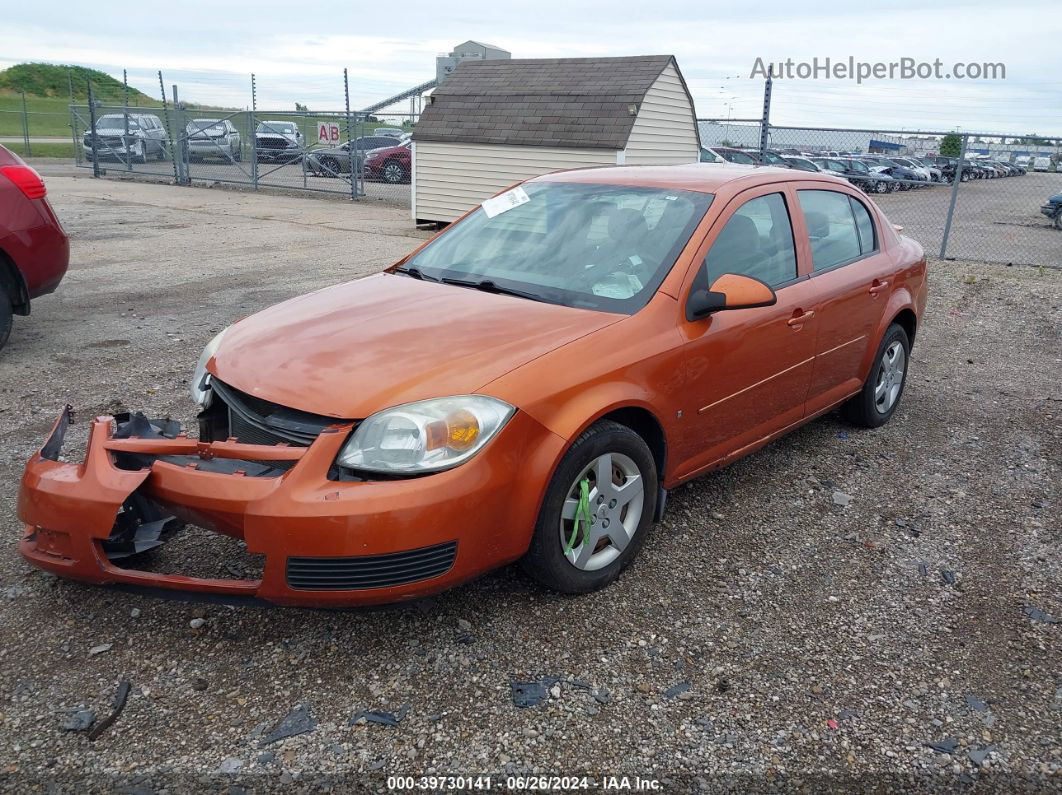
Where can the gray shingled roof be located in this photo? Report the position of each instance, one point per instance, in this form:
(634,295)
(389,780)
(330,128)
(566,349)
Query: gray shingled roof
(563,102)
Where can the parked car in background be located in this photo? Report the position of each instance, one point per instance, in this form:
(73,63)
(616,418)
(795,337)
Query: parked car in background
(884,165)
(732,155)
(1053,209)
(34,250)
(860,175)
(1041,164)
(920,169)
(213,138)
(801,164)
(527,385)
(392,164)
(391,132)
(128,137)
(769,157)
(336,160)
(278,142)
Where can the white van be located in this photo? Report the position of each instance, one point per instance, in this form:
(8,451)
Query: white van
(1041,164)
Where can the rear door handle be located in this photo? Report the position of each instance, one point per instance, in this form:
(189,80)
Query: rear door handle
(878,285)
(798,320)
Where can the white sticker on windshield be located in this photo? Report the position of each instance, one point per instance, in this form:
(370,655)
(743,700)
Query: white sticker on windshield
(505,202)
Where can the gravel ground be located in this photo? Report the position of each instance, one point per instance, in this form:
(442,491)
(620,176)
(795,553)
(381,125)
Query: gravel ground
(767,637)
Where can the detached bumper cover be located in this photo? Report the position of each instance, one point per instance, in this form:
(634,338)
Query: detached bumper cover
(326,542)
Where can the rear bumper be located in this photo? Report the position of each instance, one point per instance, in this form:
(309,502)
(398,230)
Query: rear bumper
(470,519)
(41,252)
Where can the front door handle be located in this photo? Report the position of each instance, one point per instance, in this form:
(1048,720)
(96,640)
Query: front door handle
(878,285)
(797,320)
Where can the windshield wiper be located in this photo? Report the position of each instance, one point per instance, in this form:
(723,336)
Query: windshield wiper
(414,272)
(487,286)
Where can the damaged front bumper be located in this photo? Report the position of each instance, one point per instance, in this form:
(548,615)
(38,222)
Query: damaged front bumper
(326,541)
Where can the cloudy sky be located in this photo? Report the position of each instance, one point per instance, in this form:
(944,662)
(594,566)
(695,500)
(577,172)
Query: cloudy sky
(210,49)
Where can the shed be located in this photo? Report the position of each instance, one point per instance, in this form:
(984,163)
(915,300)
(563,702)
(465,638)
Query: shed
(495,122)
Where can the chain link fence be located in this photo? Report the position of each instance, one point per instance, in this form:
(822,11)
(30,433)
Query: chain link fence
(350,153)
(962,195)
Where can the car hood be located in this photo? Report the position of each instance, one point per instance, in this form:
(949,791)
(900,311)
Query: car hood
(353,349)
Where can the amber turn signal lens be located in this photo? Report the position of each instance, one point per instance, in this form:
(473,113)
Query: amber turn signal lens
(462,430)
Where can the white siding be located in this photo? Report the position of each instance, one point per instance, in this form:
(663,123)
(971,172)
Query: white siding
(451,178)
(665,130)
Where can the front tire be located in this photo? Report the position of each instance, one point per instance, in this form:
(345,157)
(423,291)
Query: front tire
(881,393)
(614,468)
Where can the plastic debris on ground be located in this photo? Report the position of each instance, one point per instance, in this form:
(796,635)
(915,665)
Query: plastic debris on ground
(79,720)
(945,746)
(298,721)
(121,696)
(380,717)
(1036,614)
(676,690)
(531,694)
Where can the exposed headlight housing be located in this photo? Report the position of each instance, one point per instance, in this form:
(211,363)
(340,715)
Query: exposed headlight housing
(200,384)
(426,436)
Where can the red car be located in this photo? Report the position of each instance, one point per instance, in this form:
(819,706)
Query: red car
(392,164)
(34,250)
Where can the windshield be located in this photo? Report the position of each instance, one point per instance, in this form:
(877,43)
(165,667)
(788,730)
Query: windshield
(195,125)
(801,163)
(115,121)
(282,127)
(605,247)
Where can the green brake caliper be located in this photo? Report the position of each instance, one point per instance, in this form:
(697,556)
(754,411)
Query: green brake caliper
(582,514)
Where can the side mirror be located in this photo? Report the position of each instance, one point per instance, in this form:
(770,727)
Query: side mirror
(729,291)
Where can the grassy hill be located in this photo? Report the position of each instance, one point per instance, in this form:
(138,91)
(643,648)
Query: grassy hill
(45,80)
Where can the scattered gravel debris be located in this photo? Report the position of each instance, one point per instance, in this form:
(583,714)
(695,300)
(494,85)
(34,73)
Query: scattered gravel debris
(100,649)
(734,582)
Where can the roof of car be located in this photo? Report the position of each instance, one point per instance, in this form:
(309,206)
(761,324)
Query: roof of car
(701,177)
(560,102)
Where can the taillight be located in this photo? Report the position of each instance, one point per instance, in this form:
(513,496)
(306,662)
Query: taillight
(26,180)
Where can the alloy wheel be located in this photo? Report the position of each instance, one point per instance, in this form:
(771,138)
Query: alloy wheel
(601,512)
(394,173)
(890,377)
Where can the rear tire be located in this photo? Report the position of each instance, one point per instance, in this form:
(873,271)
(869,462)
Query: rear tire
(877,401)
(623,453)
(6,317)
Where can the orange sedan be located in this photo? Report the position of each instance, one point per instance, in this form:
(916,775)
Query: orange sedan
(528,385)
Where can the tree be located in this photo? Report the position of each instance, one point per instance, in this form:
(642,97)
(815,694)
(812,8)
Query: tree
(301,107)
(951,145)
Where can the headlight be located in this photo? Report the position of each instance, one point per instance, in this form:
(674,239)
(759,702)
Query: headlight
(200,385)
(426,436)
